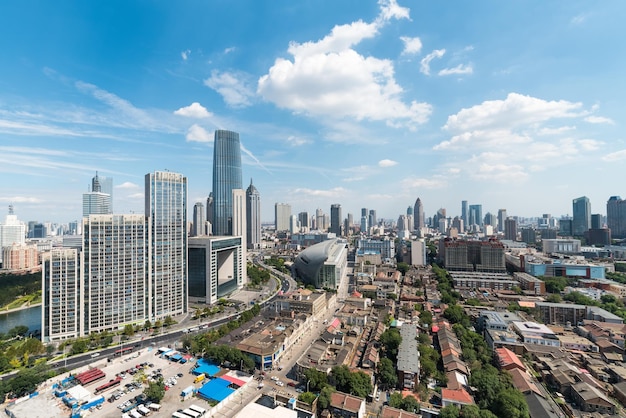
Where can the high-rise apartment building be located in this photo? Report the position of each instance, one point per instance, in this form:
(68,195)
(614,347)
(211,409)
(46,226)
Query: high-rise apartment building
(418,215)
(501,219)
(115,271)
(282,215)
(62,306)
(349,221)
(581,208)
(319,220)
(226,177)
(253,217)
(239,215)
(596,221)
(510,229)
(616,216)
(336,219)
(490,219)
(198,227)
(166,207)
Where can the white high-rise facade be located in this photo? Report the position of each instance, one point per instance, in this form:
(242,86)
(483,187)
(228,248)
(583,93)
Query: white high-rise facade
(115,271)
(166,206)
(12,231)
(61,310)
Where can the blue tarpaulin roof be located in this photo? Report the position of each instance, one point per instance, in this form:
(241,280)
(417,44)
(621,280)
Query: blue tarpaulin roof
(216,389)
(187,390)
(176,357)
(203,366)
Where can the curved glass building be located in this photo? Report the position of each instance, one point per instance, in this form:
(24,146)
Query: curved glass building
(226,177)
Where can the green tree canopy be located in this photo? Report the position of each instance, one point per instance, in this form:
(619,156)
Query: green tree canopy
(387,374)
(155,391)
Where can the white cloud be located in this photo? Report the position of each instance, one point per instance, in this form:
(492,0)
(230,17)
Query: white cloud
(579,19)
(422,183)
(514,111)
(425,63)
(229,50)
(137,196)
(127,185)
(599,119)
(390,9)
(185,54)
(615,156)
(411,45)
(458,70)
(20,199)
(297,141)
(194,110)
(500,172)
(197,133)
(233,86)
(329,79)
(589,144)
(555,131)
(334,192)
(387,163)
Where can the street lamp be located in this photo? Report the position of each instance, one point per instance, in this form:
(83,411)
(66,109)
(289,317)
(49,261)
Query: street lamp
(307,384)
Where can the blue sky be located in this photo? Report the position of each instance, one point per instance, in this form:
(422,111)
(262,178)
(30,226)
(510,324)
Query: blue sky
(515,105)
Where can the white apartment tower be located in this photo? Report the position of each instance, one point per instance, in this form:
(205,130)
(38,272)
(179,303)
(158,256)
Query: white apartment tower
(166,208)
(60,288)
(115,271)
(282,215)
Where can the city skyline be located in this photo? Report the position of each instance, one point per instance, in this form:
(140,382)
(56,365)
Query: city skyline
(364,104)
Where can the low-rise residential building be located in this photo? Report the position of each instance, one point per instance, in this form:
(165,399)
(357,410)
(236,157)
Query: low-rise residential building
(408,364)
(346,406)
(534,333)
(571,341)
(590,399)
(456,397)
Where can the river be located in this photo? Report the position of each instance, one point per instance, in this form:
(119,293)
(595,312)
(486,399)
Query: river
(31,317)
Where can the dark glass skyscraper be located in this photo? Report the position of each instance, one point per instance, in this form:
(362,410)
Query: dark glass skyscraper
(582,216)
(226,177)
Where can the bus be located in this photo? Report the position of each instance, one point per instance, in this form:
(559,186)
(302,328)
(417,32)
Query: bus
(109,385)
(191,413)
(123,351)
(198,409)
(179,415)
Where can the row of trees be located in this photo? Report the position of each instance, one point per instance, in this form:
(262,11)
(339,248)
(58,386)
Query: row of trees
(257,275)
(340,379)
(25,381)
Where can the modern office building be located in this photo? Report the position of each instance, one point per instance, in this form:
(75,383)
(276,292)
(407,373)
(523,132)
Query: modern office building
(166,208)
(501,218)
(305,221)
(323,265)
(282,215)
(365,222)
(596,221)
(216,267)
(464,212)
(581,208)
(384,246)
(12,231)
(566,227)
(373,221)
(491,219)
(510,229)
(348,222)
(61,309)
(475,215)
(563,246)
(418,215)
(616,216)
(253,217)
(404,231)
(529,235)
(115,263)
(198,227)
(319,220)
(97,202)
(209,212)
(226,177)
(336,219)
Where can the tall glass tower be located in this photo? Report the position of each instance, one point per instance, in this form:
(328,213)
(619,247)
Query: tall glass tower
(582,216)
(166,205)
(226,177)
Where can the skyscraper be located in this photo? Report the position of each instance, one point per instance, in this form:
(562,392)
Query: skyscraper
(616,216)
(348,224)
(115,271)
(253,217)
(475,215)
(61,306)
(319,219)
(464,213)
(335,219)
(166,205)
(12,231)
(581,208)
(282,215)
(364,221)
(510,229)
(418,213)
(409,217)
(209,212)
(198,220)
(596,221)
(501,219)
(226,177)
(372,218)
(305,220)
(97,201)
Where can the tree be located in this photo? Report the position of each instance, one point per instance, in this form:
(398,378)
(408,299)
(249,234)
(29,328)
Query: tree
(323,401)
(20,330)
(147,325)
(395,400)
(402,267)
(307,397)
(390,340)
(129,330)
(426,318)
(387,373)
(456,315)
(168,321)
(510,403)
(450,411)
(79,346)
(155,391)
(554,298)
(316,379)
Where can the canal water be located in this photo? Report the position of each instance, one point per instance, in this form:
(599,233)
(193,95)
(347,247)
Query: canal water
(31,317)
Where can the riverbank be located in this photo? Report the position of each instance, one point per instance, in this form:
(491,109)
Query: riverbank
(5,310)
